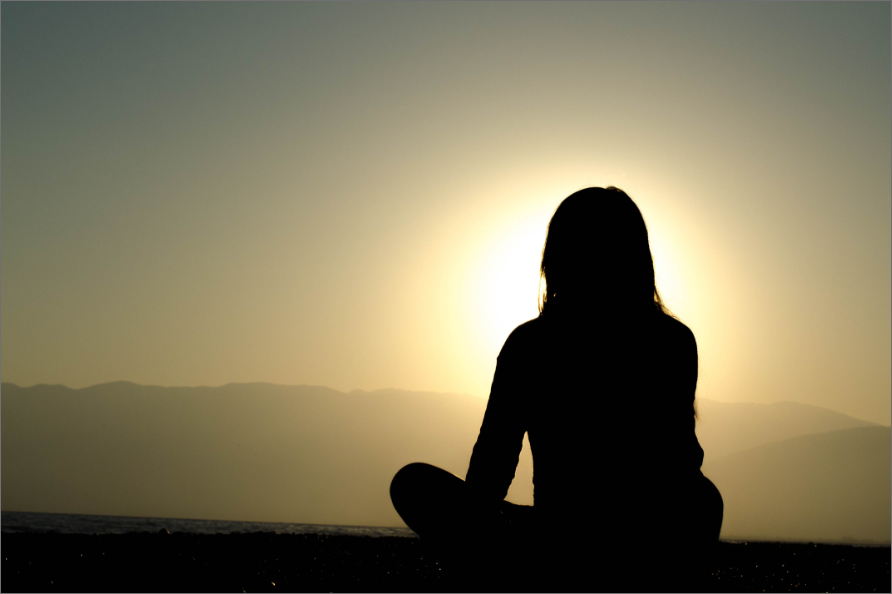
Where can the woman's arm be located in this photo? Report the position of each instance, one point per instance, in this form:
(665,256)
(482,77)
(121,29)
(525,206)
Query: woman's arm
(495,455)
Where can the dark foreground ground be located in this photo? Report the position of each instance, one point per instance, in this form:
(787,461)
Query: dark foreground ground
(270,562)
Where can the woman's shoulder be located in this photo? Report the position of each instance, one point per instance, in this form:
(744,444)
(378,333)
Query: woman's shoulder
(530,330)
(534,334)
(675,328)
(524,336)
(677,338)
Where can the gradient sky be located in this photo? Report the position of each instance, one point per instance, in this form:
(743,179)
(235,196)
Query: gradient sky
(355,195)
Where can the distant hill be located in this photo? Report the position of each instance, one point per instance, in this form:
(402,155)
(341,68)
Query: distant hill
(241,452)
(726,427)
(829,486)
(264,452)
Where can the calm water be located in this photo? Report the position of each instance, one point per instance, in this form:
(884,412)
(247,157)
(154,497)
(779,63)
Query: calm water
(83,524)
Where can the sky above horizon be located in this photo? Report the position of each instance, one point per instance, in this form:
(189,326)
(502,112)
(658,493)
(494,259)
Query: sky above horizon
(356,195)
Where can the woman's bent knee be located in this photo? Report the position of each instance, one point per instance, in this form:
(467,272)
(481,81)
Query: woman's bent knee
(419,479)
(406,484)
(424,495)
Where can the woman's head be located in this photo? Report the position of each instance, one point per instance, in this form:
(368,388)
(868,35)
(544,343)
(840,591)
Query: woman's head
(597,255)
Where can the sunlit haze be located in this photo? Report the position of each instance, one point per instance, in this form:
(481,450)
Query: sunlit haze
(356,195)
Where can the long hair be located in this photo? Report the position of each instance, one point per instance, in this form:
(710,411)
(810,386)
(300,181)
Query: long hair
(597,254)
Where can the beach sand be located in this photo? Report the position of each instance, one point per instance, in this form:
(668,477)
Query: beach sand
(281,562)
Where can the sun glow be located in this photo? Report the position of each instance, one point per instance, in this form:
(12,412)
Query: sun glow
(506,286)
(668,278)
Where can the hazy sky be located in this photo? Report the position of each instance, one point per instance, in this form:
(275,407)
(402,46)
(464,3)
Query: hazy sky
(355,195)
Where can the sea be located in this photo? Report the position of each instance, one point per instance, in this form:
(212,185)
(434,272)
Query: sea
(17,522)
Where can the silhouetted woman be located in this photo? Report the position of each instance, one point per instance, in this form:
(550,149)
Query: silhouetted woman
(603,383)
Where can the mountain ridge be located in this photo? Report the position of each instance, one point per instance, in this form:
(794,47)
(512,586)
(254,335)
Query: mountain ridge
(700,402)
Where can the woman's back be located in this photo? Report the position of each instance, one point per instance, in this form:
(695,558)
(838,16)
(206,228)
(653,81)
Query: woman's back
(602,400)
